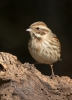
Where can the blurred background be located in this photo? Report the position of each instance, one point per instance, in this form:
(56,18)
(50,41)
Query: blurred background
(17,15)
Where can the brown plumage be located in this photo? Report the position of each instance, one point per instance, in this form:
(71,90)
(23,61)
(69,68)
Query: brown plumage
(44,45)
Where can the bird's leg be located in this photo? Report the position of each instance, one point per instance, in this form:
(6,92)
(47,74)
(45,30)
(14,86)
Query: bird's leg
(52,70)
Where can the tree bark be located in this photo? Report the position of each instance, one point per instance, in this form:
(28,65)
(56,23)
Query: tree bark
(24,82)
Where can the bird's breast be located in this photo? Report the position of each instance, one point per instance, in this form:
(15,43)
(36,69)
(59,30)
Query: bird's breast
(42,52)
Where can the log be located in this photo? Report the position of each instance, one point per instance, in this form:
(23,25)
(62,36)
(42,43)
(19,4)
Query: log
(24,82)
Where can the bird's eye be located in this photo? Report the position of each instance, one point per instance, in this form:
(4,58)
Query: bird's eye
(37,28)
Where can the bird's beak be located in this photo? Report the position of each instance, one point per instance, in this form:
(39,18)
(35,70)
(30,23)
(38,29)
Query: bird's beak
(29,30)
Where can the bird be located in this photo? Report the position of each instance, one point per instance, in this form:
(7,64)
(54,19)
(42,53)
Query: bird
(43,44)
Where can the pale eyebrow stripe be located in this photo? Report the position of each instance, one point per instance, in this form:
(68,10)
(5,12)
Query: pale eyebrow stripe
(44,27)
